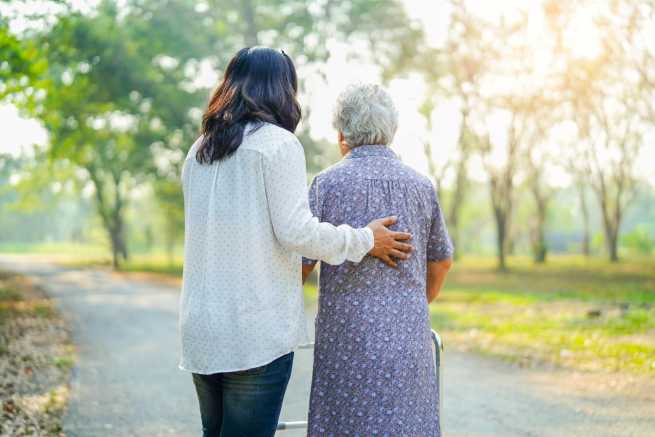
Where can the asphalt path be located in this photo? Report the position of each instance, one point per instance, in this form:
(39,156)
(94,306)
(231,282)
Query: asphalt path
(126,381)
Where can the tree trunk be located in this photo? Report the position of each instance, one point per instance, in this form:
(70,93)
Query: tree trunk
(118,246)
(501,239)
(458,199)
(610,226)
(501,244)
(612,239)
(111,215)
(539,248)
(432,169)
(586,228)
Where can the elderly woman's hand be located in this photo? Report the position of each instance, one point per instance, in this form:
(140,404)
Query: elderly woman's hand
(387,243)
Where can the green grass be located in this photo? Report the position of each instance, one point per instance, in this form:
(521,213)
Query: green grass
(159,264)
(77,250)
(9,294)
(19,297)
(64,362)
(571,312)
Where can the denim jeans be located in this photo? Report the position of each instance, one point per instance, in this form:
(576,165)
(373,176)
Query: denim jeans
(246,403)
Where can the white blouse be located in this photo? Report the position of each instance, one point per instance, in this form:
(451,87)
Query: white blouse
(247,223)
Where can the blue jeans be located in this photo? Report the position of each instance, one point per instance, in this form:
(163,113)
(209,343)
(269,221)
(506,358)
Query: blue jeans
(246,403)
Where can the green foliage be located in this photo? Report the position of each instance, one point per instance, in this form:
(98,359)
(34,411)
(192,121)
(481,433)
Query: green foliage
(639,241)
(39,201)
(111,107)
(117,87)
(169,198)
(21,63)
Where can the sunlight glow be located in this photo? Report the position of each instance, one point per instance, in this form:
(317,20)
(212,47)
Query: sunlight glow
(582,36)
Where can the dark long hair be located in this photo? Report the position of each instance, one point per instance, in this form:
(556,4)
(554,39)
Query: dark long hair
(259,85)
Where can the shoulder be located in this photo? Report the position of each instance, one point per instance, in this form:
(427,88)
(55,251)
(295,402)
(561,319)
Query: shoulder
(420,179)
(396,169)
(339,171)
(194,148)
(269,139)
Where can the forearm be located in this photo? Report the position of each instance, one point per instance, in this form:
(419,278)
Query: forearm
(302,233)
(294,225)
(437,272)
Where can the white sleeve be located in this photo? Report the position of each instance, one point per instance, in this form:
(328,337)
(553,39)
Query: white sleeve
(294,225)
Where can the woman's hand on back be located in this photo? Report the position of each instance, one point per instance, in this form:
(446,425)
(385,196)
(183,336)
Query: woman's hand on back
(389,244)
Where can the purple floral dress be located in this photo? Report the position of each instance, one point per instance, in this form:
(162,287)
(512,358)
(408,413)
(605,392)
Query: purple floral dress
(374,374)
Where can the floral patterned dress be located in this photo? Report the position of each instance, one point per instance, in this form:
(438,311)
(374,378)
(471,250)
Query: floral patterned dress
(374,374)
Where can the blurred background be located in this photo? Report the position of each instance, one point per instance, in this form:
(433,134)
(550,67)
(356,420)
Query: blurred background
(534,119)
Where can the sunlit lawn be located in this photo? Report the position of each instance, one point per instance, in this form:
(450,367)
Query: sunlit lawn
(159,264)
(86,255)
(75,251)
(571,312)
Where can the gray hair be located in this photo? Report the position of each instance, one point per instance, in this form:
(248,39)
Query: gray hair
(365,114)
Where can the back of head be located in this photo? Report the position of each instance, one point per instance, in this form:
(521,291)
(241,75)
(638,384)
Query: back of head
(365,114)
(259,85)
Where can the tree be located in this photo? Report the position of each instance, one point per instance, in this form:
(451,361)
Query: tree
(613,180)
(540,158)
(20,62)
(542,194)
(609,112)
(302,29)
(501,162)
(168,197)
(456,74)
(110,100)
(436,171)
(37,200)
(122,88)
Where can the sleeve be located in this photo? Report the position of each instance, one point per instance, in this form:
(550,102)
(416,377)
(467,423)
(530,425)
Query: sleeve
(295,227)
(440,247)
(315,206)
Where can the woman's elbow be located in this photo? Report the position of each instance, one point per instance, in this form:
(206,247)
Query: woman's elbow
(292,241)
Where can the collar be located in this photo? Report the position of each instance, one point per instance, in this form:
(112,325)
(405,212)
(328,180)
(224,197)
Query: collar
(371,150)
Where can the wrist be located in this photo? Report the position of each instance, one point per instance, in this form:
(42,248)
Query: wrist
(370,239)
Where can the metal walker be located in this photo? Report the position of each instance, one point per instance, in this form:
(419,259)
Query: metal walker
(438,359)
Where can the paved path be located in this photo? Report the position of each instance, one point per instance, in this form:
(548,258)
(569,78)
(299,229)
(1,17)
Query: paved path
(126,382)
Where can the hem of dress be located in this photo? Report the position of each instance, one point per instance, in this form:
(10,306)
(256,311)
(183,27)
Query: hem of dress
(268,361)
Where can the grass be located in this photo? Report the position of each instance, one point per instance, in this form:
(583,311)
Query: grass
(571,312)
(159,264)
(64,362)
(19,298)
(77,250)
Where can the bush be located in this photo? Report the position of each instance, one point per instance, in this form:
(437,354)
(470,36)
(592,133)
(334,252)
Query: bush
(640,241)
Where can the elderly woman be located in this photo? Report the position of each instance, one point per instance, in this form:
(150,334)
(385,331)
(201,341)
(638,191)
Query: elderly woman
(373,367)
